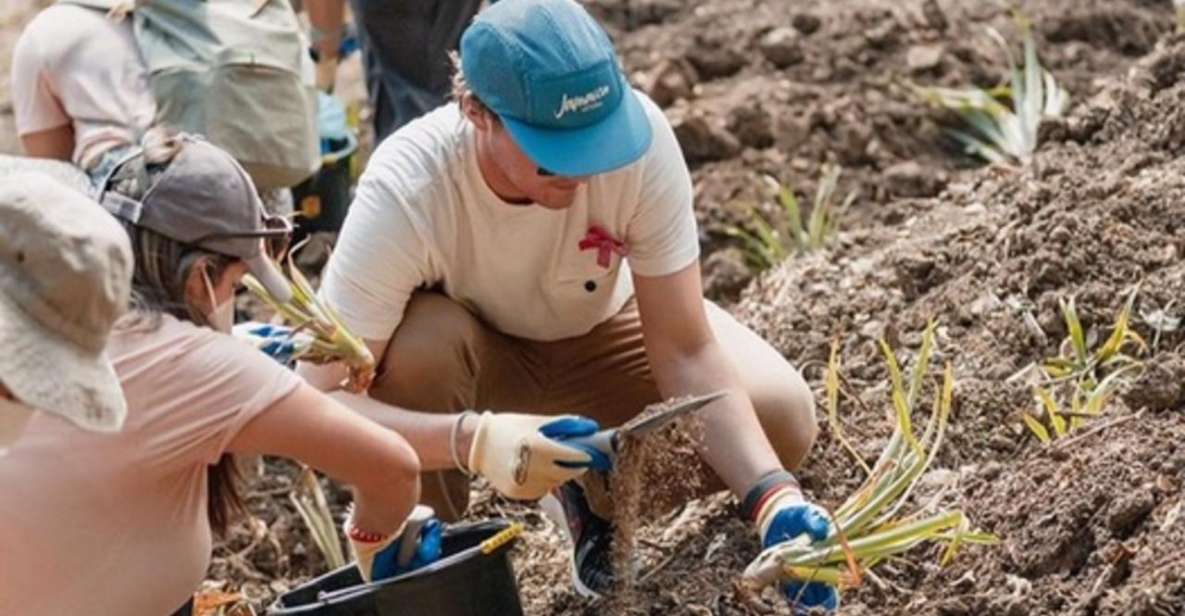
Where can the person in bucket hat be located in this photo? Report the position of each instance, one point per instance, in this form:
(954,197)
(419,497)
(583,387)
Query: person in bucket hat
(127,518)
(65,277)
(531,248)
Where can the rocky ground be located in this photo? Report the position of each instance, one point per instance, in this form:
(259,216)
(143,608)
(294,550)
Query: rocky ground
(1089,526)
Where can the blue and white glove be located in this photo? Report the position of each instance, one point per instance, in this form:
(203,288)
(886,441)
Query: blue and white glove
(785,516)
(276,341)
(427,551)
(524,456)
(379,557)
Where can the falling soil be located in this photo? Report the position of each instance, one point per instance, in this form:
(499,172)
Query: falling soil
(644,467)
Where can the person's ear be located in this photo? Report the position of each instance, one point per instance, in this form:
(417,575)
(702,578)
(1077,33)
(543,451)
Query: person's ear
(196,293)
(476,112)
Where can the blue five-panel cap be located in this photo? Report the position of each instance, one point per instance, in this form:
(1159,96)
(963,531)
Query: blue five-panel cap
(549,72)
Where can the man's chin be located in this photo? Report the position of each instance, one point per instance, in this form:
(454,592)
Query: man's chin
(557,202)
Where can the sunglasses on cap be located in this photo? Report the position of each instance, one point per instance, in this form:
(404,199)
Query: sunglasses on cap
(277,237)
(187,196)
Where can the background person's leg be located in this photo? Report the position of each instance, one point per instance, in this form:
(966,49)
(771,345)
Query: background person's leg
(405,46)
(437,361)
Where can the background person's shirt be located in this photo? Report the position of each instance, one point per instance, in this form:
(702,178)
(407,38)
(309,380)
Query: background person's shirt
(423,216)
(73,66)
(116,524)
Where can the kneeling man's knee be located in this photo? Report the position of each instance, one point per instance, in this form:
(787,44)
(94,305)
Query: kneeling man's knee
(431,362)
(787,412)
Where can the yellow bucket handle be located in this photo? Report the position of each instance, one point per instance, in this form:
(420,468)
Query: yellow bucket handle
(502,538)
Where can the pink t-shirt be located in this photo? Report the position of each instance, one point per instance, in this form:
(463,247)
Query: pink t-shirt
(72,65)
(116,524)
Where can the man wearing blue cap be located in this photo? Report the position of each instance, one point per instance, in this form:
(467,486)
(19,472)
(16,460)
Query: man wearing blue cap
(532,247)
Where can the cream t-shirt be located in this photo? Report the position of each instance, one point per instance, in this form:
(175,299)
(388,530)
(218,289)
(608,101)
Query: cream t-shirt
(72,65)
(423,216)
(116,524)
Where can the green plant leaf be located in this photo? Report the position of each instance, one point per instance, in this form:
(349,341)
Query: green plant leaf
(869,524)
(755,252)
(789,202)
(1121,334)
(1036,428)
(922,363)
(831,386)
(1055,418)
(1077,336)
(1004,135)
(309,500)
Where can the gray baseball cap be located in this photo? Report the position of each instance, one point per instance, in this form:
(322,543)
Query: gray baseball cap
(204,198)
(65,278)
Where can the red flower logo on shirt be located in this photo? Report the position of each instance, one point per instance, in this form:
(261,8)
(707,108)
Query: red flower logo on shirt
(605,244)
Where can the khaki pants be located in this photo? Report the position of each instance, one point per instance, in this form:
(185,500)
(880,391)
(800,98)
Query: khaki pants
(443,359)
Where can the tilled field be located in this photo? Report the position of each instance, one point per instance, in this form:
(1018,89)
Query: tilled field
(1089,525)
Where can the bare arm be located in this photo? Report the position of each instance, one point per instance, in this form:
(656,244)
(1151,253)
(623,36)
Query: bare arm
(310,427)
(326,18)
(428,433)
(686,360)
(56,143)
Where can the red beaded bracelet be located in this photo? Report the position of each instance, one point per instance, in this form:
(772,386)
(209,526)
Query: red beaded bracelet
(363,536)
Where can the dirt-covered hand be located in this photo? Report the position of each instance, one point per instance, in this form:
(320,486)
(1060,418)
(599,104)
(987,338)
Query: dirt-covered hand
(519,456)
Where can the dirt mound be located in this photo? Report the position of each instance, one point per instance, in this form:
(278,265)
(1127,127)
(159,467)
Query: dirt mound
(765,88)
(1090,526)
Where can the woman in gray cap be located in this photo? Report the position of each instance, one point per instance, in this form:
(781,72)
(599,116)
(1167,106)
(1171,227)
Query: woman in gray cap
(121,523)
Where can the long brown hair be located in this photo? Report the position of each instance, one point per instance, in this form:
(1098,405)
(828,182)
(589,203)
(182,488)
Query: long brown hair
(163,266)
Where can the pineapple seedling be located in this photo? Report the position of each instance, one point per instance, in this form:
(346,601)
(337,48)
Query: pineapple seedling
(869,524)
(318,332)
(767,243)
(1088,377)
(999,132)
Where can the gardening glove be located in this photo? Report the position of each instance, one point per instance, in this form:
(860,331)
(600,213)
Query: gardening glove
(277,341)
(785,516)
(518,455)
(380,557)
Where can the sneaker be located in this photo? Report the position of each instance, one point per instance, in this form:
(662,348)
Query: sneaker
(592,538)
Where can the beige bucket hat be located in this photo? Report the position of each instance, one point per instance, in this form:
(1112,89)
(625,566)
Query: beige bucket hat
(65,277)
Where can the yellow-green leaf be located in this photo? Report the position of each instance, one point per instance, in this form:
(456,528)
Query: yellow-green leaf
(1036,428)
(1074,327)
(831,385)
(1119,335)
(922,365)
(1055,418)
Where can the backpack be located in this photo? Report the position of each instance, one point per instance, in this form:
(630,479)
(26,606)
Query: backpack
(237,73)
